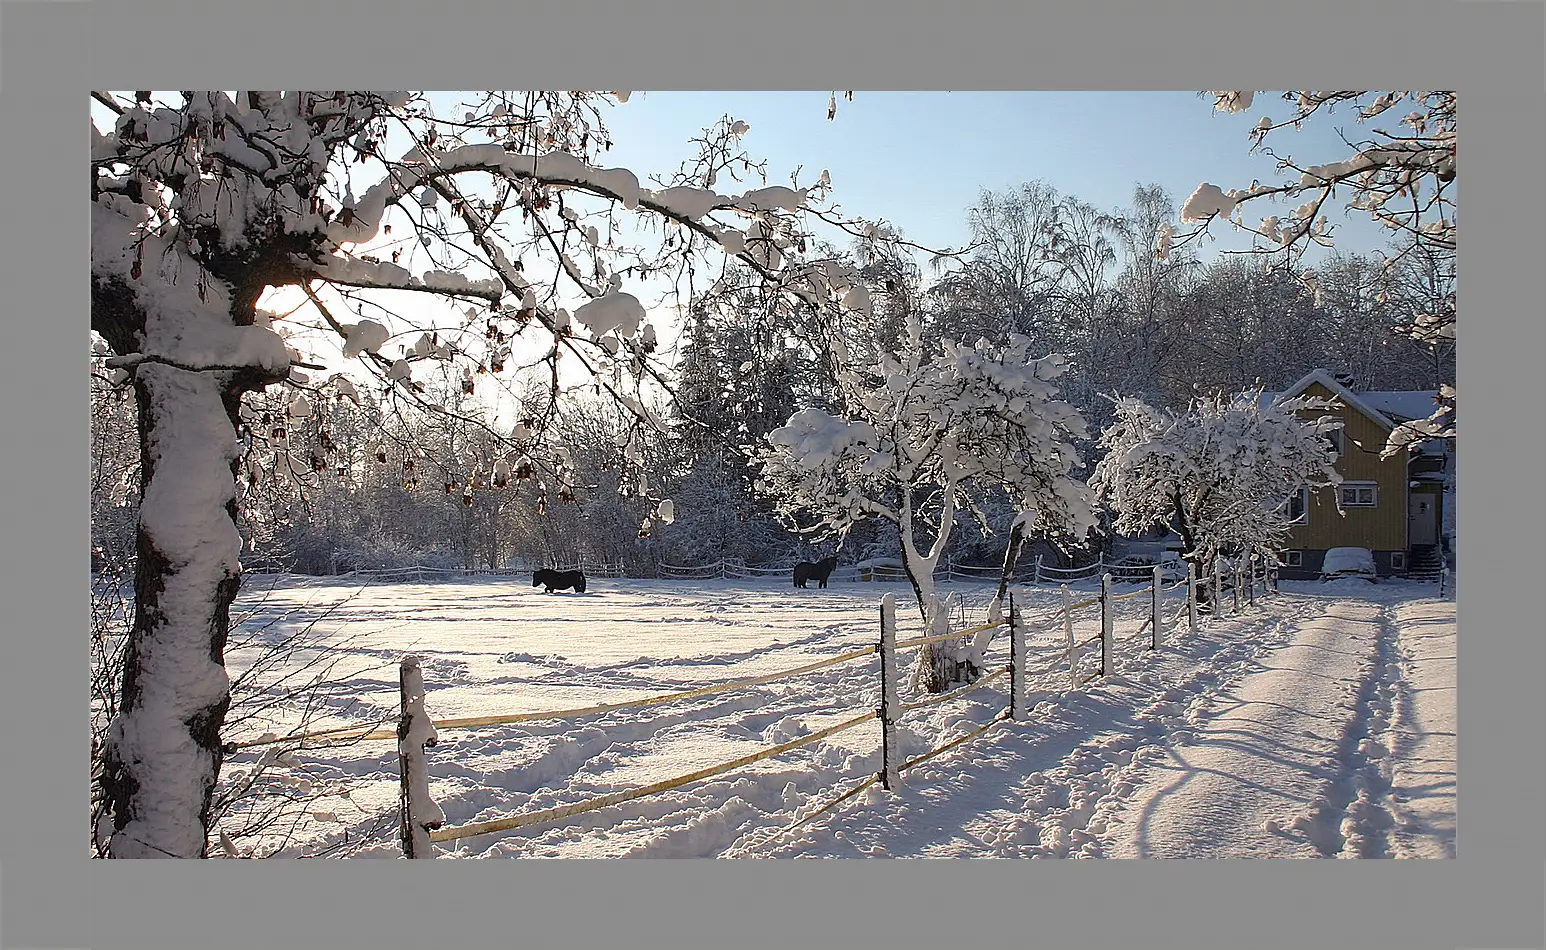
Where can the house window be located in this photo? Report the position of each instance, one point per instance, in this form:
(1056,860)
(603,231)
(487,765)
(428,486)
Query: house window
(1335,439)
(1357,494)
(1398,561)
(1292,559)
(1297,508)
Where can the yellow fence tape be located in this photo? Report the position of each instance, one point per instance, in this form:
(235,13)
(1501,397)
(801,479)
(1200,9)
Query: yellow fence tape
(1136,593)
(942,637)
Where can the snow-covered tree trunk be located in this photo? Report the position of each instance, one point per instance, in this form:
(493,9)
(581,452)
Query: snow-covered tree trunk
(935,668)
(163,752)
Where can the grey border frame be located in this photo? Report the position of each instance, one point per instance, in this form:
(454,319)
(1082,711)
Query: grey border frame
(51,896)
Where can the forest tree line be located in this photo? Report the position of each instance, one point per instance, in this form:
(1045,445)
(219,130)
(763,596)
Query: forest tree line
(337,482)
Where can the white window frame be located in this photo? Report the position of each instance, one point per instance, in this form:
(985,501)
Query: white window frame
(1356,488)
(1335,436)
(1293,559)
(1398,561)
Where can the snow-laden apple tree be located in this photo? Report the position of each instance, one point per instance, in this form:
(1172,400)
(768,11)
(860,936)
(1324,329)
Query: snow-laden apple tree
(913,436)
(1401,171)
(405,240)
(1220,474)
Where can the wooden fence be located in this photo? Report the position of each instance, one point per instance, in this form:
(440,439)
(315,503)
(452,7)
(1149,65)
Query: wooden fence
(422,823)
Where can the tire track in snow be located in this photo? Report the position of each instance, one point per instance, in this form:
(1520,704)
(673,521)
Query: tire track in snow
(1359,792)
(1072,804)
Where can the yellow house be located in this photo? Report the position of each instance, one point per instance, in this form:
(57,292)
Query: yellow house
(1393,507)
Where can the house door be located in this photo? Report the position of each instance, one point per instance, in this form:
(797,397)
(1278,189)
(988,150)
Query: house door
(1422,519)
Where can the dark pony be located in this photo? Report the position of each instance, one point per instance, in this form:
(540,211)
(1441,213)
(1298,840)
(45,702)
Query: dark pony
(559,580)
(815,571)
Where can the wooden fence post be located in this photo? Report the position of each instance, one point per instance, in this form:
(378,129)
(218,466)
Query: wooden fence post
(890,704)
(1192,597)
(1017,663)
(1155,610)
(1106,623)
(1036,574)
(1074,677)
(419,814)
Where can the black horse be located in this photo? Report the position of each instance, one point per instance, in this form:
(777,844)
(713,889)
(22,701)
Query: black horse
(559,580)
(815,571)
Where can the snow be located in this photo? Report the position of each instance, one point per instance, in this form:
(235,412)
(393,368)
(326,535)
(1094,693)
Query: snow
(183,511)
(185,325)
(819,438)
(367,336)
(1207,199)
(1232,102)
(773,198)
(1422,733)
(1257,735)
(614,311)
(686,202)
(733,241)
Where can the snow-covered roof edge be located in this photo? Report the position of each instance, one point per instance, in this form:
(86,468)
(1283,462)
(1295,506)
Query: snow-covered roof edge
(1343,393)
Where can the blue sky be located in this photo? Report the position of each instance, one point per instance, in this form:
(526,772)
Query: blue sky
(919,159)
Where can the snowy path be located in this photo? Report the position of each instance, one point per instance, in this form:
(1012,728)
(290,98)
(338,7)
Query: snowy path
(1260,780)
(1342,745)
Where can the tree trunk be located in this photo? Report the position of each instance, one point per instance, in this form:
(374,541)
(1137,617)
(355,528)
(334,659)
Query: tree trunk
(1190,553)
(163,752)
(936,666)
(1012,554)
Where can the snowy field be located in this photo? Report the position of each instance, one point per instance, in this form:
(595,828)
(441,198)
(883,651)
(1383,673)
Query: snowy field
(1317,723)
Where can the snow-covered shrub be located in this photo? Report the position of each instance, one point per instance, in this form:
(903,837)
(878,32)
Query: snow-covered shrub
(1219,474)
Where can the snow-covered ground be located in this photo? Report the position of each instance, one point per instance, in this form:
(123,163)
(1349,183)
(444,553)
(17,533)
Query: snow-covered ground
(1320,722)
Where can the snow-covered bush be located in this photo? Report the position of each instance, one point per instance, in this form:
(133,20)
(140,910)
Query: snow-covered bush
(1219,474)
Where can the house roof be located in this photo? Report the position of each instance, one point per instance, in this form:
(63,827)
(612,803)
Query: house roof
(1347,396)
(1403,407)
(1389,409)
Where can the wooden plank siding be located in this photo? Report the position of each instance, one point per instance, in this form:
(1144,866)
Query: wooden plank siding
(1382,528)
